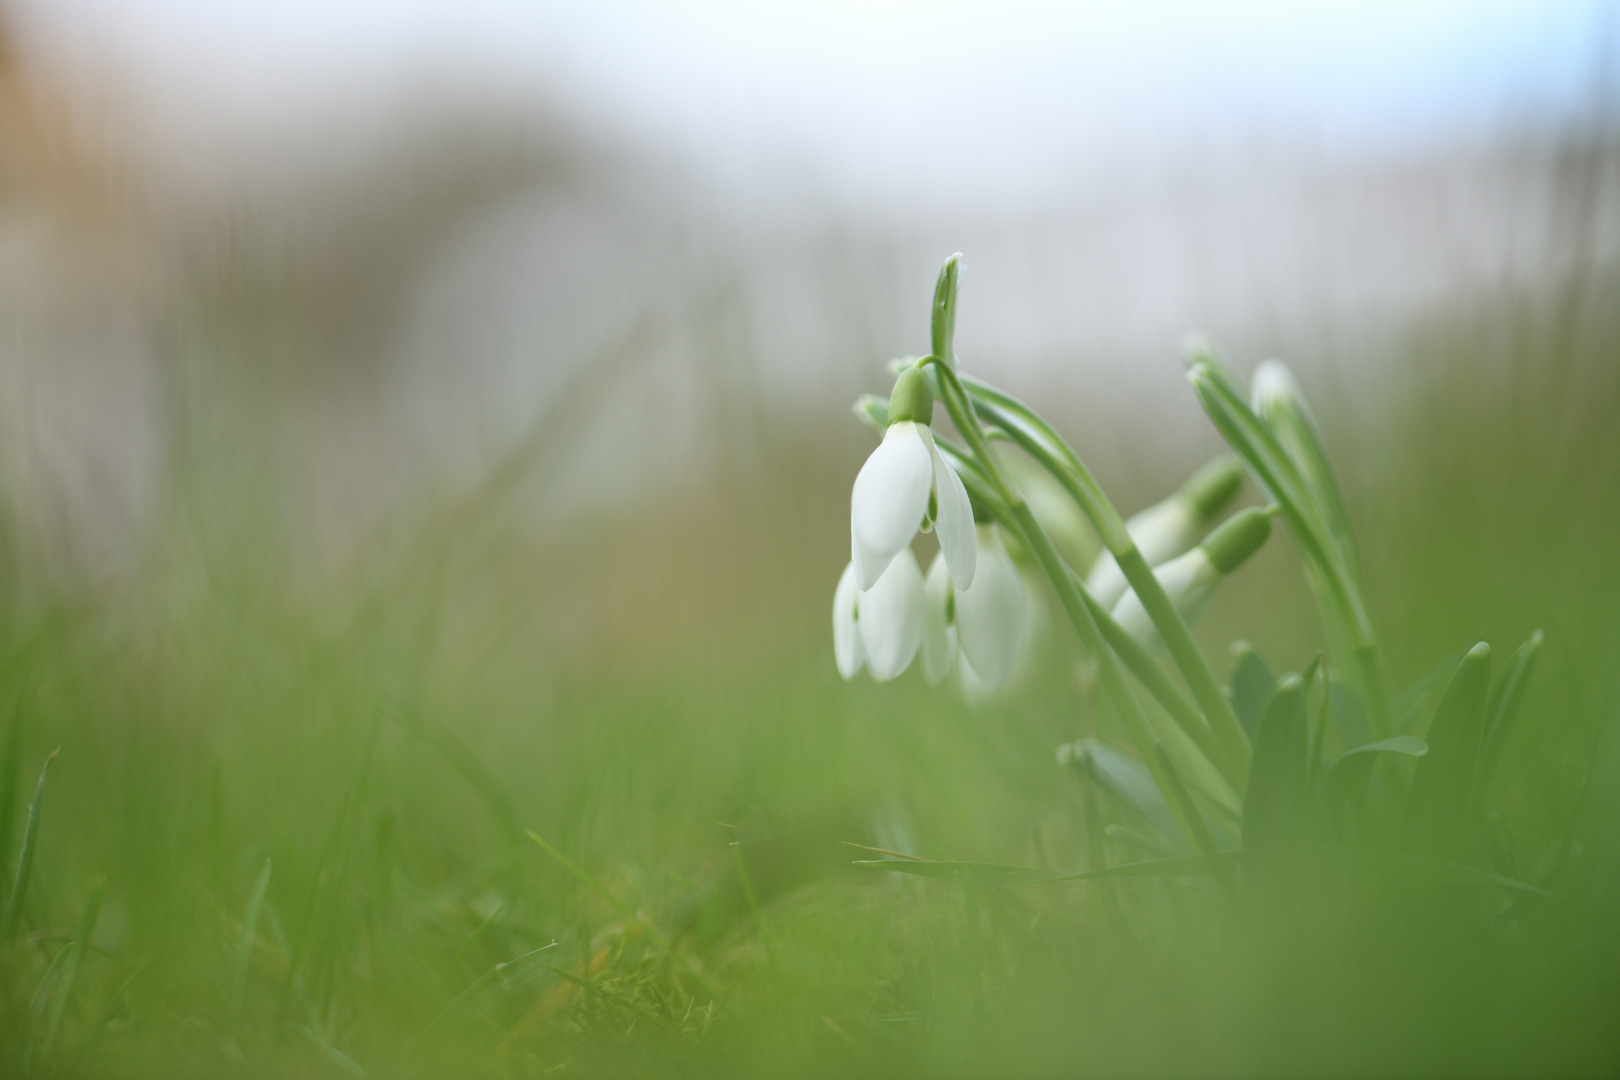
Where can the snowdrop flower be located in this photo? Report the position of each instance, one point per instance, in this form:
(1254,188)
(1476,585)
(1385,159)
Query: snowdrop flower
(985,620)
(1167,529)
(905,486)
(879,628)
(1189,579)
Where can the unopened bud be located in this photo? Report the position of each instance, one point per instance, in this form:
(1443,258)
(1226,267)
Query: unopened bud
(1237,538)
(1169,528)
(1188,580)
(1212,487)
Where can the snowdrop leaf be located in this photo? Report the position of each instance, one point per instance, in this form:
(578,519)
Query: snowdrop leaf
(1128,780)
(1349,715)
(1347,779)
(1278,777)
(1253,683)
(1440,804)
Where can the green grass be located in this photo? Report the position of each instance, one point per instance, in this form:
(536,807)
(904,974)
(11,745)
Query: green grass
(287,832)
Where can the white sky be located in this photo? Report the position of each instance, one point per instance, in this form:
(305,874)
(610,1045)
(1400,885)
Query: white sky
(1015,94)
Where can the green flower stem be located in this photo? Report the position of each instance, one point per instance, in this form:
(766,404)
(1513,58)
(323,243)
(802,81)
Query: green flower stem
(1057,571)
(1153,678)
(1206,689)
(1137,660)
(1074,475)
(1050,450)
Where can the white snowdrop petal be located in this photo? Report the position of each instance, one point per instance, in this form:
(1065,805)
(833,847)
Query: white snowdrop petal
(954,525)
(939,636)
(866,569)
(848,647)
(1164,531)
(992,614)
(889,499)
(892,617)
(1180,576)
(1133,619)
(1106,581)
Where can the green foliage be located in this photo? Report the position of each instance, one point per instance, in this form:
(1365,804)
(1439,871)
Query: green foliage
(1279,780)
(1253,683)
(385,734)
(1441,804)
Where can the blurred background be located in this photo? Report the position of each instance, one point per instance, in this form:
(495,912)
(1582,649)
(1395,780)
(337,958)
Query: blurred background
(485,367)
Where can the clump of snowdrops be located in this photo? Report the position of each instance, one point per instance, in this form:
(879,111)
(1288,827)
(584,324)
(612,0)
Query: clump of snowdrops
(1247,781)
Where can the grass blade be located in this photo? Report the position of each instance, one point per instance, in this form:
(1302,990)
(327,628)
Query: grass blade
(81,942)
(25,860)
(11,764)
(244,942)
(602,890)
(997,874)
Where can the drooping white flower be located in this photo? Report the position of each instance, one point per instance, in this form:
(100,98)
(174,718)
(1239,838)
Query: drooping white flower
(1169,528)
(906,486)
(985,621)
(848,648)
(1189,579)
(880,628)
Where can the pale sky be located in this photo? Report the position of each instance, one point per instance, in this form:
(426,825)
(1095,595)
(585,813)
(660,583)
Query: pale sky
(867,92)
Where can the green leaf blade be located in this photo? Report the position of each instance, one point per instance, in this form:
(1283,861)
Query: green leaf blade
(1278,778)
(1440,801)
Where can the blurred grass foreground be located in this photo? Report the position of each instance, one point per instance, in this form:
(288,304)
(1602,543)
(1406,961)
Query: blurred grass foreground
(370,758)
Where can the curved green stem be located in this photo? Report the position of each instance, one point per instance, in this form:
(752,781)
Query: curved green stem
(1136,659)
(1048,448)
(1057,572)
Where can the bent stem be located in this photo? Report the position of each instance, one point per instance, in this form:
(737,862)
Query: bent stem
(1057,572)
(1136,659)
(1044,444)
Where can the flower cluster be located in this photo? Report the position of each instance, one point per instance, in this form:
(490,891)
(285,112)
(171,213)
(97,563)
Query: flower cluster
(884,610)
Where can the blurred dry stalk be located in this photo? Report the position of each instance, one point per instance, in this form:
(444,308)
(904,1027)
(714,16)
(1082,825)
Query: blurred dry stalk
(471,314)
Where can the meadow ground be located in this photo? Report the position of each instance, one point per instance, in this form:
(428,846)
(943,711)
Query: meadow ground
(288,828)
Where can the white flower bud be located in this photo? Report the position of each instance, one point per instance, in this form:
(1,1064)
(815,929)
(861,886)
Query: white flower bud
(1167,529)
